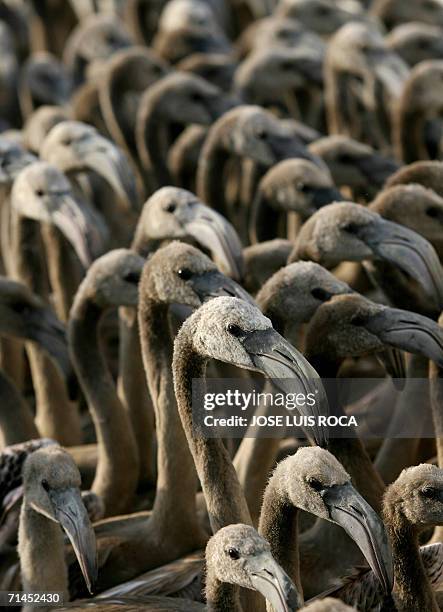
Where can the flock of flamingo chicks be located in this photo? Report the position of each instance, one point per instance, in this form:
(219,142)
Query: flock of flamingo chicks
(219,187)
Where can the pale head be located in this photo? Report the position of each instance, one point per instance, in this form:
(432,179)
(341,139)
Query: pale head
(179,273)
(313,480)
(74,146)
(112,280)
(297,290)
(219,325)
(238,555)
(174,213)
(306,474)
(250,132)
(417,496)
(51,488)
(326,236)
(46,470)
(182,97)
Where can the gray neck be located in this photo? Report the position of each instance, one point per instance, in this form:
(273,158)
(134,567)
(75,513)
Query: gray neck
(221,596)
(176,480)
(412,592)
(117,463)
(214,466)
(41,551)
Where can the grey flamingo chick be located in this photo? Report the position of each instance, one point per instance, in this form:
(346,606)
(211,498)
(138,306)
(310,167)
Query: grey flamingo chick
(41,194)
(293,187)
(410,505)
(289,298)
(345,231)
(76,147)
(351,325)
(416,207)
(52,500)
(24,315)
(313,480)
(111,281)
(175,274)
(170,213)
(236,556)
(233,331)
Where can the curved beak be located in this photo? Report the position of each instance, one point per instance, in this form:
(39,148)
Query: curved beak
(43,327)
(408,251)
(269,579)
(278,360)
(71,513)
(348,509)
(214,233)
(408,331)
(321,196)
(109,162)
(215,284)
(70,218)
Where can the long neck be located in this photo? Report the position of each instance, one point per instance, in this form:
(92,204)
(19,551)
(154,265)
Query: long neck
(263,222)
(412,591)
(16,422)
(29,262)
(279,526)
(214,467)
(41,551)
(56,416)
(211,172)
(349,451)
(176,479)
(117,465)
(408,134)
(153,143)
(221,596)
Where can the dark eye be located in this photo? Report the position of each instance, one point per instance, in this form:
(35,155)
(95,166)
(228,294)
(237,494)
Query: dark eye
(235,330)
(39,193)
(132,277)
(358,320)
(345,158)
(170,208)
(196,97)
(321,294)
(261,134)
(233,553)
(322,11)
(423,44)
(430,492)
(287,66)
(433,212)
(67,142)
(45,485)
(20,307)
(184,273)
(315,484)
(351,228)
